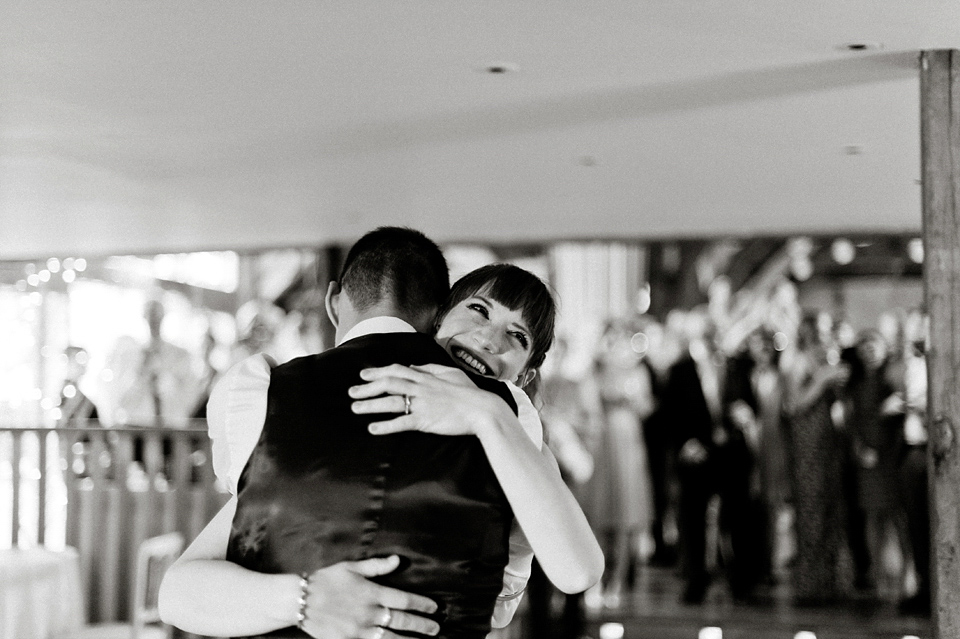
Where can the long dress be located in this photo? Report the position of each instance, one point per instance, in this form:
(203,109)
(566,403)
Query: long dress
(818,500)
(621,482)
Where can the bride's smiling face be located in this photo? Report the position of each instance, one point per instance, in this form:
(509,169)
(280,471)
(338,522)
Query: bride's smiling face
(485,337)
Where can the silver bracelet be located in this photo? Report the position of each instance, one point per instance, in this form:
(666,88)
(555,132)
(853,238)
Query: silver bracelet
(302,602)
(512,595)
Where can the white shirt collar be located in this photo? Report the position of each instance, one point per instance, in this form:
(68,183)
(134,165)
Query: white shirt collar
(382,324)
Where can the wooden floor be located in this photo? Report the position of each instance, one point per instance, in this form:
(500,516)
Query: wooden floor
(653,611)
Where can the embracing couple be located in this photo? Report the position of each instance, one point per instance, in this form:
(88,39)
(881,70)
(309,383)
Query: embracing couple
(397,484)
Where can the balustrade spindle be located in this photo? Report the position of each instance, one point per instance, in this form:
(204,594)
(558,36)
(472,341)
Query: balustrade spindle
(122,486)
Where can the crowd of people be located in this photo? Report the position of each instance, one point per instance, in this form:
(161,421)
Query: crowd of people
(791,452)
(792,455)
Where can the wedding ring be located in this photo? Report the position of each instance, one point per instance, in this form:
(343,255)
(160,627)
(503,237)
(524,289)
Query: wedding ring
(406,404)
(388,617)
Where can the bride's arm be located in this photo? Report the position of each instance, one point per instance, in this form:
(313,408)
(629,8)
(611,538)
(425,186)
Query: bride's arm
(544,507)
(202,593)
(205,594)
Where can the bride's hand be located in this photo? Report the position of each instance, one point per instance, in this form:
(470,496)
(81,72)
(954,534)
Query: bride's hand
(451,374)
(432,399)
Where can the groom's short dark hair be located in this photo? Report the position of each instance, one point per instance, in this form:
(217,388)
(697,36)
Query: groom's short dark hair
(399,264)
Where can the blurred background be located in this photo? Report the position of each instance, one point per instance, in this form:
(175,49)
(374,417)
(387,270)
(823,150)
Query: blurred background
(734,188)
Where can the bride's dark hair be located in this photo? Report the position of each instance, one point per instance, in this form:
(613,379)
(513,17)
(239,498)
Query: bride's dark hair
(518,290)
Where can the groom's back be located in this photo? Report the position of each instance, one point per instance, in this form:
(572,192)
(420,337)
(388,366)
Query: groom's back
(320,489)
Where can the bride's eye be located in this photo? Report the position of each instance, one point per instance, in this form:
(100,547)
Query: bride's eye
(522,338)
(479,308)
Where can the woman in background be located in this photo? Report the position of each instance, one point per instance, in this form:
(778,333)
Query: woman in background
(621,502)
(816,449)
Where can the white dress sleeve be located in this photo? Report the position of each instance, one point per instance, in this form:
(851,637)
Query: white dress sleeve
(235,414)
(517,572)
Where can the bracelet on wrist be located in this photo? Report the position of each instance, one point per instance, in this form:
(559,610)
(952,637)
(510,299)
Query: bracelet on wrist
(302,601)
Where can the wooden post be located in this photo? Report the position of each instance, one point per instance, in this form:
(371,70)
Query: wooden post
(940,158)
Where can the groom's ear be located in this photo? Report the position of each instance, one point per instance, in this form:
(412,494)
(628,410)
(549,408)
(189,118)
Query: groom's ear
(332,303)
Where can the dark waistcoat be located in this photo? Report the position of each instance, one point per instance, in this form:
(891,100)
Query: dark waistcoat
(319,489)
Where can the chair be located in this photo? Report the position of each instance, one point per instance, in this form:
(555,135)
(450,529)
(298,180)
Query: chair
(154,556)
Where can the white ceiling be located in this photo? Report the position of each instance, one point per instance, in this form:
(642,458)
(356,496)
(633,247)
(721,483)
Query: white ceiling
(183,125)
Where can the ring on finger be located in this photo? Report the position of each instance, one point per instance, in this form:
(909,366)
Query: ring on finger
(386,618)
(406,404)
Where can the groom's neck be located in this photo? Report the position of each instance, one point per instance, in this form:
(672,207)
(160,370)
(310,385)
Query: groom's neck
(422,321)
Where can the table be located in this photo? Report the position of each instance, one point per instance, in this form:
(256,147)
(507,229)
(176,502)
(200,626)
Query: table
(41,596)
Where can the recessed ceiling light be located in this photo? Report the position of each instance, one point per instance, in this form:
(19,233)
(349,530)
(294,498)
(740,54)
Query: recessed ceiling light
(500,68)
(860,46)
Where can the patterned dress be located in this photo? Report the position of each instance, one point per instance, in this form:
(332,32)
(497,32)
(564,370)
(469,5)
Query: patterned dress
(819,575)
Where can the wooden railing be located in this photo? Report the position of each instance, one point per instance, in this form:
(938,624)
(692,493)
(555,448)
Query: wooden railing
(103,491)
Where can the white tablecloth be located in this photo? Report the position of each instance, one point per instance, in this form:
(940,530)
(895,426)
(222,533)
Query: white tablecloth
(40,593)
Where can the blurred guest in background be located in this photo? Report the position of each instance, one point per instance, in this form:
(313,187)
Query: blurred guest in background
(155,383)
(913,463)
(875,421)
(757,491)
(693,407)
(855,519)
(661,353)
(75,407)
(621,500)
(208,376)
(773,466)
(811,384)
(77,410)
(710,459)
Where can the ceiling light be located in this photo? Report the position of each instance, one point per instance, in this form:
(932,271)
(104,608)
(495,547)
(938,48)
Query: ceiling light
(860,46)
(500,68)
